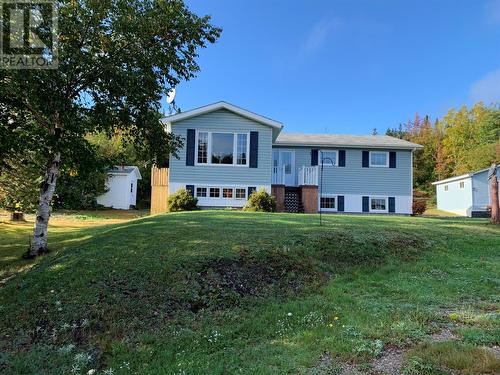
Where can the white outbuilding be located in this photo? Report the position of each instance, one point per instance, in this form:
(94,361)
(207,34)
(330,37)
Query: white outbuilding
(465,195)
(121,186)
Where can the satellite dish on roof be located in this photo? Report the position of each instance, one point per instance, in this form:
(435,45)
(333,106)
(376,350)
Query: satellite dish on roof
(171,95)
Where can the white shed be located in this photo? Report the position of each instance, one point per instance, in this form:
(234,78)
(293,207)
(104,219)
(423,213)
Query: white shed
(121,186)
(465,195)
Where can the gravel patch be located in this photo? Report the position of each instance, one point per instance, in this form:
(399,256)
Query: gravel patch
(390,362)
(444,335)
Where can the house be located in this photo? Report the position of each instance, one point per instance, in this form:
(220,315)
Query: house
(465,195)
(229,152)
(121,186)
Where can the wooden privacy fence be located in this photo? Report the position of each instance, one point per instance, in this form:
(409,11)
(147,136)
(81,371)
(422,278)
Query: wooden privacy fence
(159,190)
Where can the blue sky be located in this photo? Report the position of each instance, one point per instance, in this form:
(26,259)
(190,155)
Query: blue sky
(348,66)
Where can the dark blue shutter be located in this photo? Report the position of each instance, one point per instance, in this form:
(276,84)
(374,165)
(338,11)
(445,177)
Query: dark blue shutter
(366,204)
(341,158)
(366,159)
(251,189)
(190,140)
(392,204)
(314,157)
(340,203)
(254,149)
(190,189)
(392,159)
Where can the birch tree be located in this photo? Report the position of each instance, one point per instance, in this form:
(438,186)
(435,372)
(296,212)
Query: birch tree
(117,58)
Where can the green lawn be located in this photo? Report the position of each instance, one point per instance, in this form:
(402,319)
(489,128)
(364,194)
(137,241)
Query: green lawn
(235,292)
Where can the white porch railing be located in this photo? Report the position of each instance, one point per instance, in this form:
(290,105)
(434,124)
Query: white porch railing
(308,175)
(278,175)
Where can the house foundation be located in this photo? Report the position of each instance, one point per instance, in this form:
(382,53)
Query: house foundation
(309,194)
(278,192)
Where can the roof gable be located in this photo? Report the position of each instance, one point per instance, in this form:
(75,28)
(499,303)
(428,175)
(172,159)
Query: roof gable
(275,125)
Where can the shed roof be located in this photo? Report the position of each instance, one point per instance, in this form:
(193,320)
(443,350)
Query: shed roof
(463,176)
(126,169)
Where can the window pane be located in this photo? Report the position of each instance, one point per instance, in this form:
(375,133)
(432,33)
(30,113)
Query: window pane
(240,193)
(202,147)
(328,202)
(214,192)
(241,151)
(286,161)
(227,193)
(201,192)
(378,204)
(329,157)
(222,148)
(378,158)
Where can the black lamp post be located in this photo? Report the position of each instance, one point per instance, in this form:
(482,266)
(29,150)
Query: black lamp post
(321,186)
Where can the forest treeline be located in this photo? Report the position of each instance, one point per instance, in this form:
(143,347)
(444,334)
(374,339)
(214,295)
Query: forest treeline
(462,141)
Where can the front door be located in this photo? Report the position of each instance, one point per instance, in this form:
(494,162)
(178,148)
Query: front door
(284,160)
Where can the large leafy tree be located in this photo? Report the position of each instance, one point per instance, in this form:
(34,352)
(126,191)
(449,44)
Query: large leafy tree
(116,60)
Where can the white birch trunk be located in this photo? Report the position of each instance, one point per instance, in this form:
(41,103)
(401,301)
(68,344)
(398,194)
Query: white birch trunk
(39,244)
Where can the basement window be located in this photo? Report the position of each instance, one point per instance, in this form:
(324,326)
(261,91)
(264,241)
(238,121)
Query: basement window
(328,203)
(241,193)
(227,192)
(214,192)
(378,204)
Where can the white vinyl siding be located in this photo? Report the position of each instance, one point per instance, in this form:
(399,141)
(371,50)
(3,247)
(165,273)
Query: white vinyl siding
(223,121)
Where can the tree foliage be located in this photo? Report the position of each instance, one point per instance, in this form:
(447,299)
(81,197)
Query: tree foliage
(462,141)
(116,60)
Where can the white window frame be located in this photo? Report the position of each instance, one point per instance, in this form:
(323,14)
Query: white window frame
(336,152)
(201,187)
(379,211)
(245,190)
(221,191)
(386,159)
(461,184)
(445,187)
(329,209)
(235,149)
(228,188)
(214,187)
